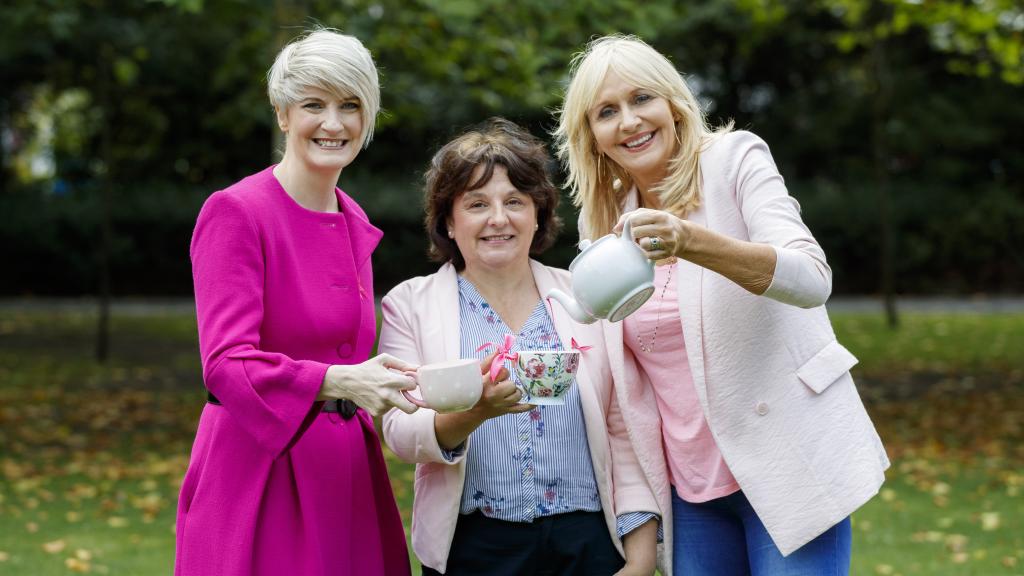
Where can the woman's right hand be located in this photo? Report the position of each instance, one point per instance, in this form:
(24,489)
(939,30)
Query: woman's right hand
(500,396)
(375,385)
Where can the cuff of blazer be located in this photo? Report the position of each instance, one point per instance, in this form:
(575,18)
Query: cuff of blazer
(797,280)
(635,499)
(412,438)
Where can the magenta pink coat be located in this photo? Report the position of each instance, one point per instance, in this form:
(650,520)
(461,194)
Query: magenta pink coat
(275,486)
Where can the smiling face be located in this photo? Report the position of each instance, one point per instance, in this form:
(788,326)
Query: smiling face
(635,128)
(493,226)
(323,132)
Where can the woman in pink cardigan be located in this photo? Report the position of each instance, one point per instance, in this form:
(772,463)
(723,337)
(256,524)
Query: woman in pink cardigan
(286,474)
(732,365)
(508,488)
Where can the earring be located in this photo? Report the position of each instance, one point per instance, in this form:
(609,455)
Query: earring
(536,226)
(451,234)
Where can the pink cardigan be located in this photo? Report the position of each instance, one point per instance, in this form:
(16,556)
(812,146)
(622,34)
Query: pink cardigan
(421,325)
(773,381)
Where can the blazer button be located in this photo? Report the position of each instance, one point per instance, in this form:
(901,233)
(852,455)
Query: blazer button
(344,350)
(761,408)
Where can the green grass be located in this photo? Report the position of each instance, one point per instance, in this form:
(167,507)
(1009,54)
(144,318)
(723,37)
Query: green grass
(935,343)
(91,457)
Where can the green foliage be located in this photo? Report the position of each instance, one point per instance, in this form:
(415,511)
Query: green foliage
(53,246)
(176,87)
(981,38)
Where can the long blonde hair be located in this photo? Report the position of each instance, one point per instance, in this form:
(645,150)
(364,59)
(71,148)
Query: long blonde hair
(597,184)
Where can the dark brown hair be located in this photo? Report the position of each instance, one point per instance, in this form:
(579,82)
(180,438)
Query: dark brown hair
(495,142)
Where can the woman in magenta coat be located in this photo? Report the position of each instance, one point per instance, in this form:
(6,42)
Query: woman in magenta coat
(286,474)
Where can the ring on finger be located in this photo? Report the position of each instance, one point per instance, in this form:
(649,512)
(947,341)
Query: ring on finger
(655,243)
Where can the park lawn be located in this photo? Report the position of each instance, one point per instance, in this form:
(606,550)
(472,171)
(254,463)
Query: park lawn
(91,457)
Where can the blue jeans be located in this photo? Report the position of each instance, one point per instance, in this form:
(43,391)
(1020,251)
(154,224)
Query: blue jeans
(724,537)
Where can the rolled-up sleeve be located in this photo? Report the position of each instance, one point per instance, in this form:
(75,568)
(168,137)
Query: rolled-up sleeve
(802,274)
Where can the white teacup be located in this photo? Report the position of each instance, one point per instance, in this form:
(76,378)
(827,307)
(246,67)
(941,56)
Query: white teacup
(452,386)
(544,376)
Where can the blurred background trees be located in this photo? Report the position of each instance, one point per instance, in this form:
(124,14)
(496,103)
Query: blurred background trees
(897,124)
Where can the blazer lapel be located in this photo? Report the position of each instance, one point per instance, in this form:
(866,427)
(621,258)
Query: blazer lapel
(566,329)
(444,321)
(564,325)
(689,288)
(362,236)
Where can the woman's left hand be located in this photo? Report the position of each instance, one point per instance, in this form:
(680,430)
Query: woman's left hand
(659,233)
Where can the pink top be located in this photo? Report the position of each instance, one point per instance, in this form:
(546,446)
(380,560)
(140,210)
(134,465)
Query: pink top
(654,334)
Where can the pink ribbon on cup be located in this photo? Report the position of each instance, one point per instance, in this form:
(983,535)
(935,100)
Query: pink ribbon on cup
(504,353)
(576,346)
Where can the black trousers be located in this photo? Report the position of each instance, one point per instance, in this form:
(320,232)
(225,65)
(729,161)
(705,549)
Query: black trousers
(576,543)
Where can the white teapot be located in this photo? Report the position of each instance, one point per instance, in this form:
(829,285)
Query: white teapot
(611,278)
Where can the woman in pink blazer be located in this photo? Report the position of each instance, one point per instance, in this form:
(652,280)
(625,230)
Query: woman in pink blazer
(510,488)
(286,474)
(768,446)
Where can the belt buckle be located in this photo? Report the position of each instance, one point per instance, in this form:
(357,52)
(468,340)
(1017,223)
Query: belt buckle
(346,408)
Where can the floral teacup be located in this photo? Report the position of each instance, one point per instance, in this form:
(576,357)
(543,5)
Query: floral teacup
(544,376)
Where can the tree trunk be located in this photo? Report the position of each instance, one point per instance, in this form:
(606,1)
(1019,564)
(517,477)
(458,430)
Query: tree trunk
(879,117)
(5,173)
(106,228)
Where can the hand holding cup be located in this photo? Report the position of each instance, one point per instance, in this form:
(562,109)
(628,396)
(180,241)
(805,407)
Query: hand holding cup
(499,396)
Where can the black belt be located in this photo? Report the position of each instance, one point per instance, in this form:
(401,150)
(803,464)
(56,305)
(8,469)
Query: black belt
(346,408)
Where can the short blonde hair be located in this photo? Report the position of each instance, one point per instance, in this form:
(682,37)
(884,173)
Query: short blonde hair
(333,62)
(598,185)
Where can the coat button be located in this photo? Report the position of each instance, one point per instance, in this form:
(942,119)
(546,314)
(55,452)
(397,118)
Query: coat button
(761,408)
(344,350)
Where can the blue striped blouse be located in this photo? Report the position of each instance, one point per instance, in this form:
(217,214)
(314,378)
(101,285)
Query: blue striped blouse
(522,466)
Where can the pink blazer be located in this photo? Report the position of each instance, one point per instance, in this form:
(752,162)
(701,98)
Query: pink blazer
(421,326)
(772,379)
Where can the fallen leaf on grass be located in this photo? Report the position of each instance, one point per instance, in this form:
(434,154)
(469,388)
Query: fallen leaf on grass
(117,522)
(989,521)
(54,547)
(929,536)
(76,565)
(956,543)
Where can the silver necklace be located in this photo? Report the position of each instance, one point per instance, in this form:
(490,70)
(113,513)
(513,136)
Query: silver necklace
(657,321)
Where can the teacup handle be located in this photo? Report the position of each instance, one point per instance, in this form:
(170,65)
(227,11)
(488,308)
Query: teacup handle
(410,397)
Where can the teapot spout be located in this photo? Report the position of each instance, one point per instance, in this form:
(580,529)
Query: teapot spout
(572,307)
